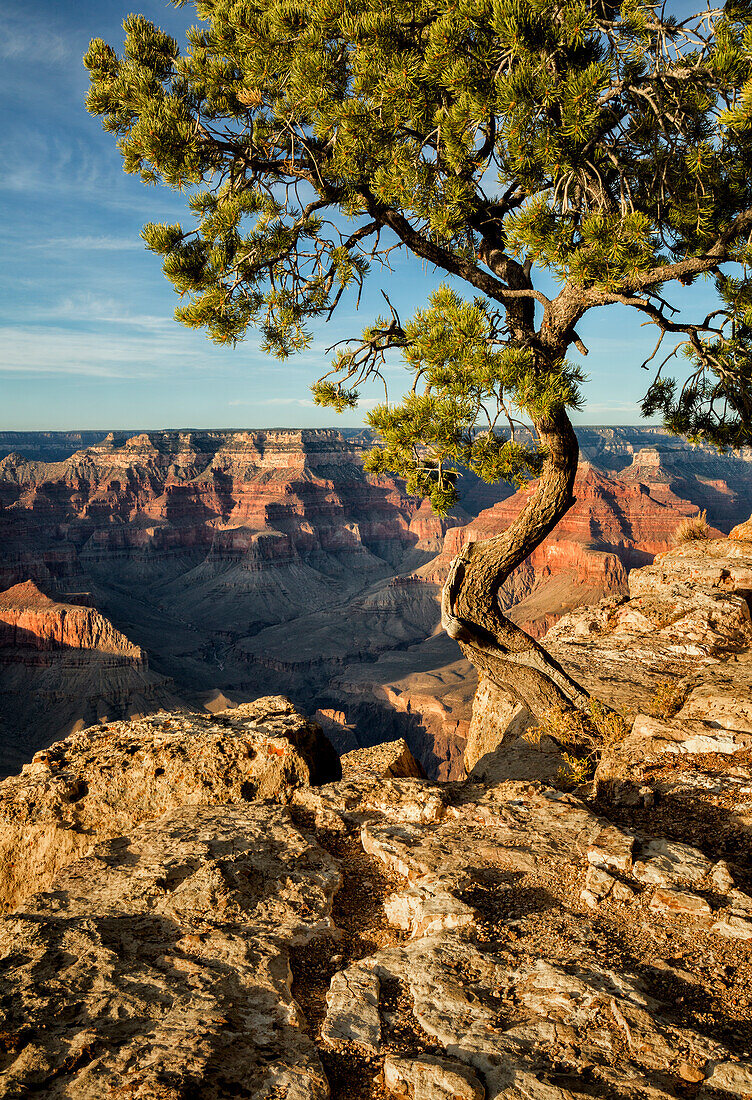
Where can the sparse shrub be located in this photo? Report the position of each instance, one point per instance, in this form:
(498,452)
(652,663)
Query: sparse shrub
(609,724)
(669,698)
(576,770)
(568,727)
(696,527)
(583,736)
(533,735)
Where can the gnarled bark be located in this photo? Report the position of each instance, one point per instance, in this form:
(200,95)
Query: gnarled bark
(470,611)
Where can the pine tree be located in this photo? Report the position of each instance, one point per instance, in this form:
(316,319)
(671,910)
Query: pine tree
(609,145)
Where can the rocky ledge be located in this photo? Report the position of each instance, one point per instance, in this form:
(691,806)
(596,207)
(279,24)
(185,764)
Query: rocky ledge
(102,782)
(237,926)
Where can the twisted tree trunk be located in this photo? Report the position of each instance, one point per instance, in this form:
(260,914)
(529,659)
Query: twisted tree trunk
(503,653)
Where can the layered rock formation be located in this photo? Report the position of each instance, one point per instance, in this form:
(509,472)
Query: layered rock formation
(64,666)
(31,621)
(47,446)
(232,558)
(687,618)
(193,542)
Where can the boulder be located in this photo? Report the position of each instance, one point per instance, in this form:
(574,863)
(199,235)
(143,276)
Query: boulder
(429,1078)
(102,782)
(391,759)
(497,718)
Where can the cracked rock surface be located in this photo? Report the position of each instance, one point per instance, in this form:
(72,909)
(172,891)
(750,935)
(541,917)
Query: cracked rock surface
(533,949)
(537,946)
(103,781)
(157,966)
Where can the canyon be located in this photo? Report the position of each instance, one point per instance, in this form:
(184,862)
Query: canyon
(233,564)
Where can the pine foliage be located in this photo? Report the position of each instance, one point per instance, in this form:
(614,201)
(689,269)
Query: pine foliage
(494,139)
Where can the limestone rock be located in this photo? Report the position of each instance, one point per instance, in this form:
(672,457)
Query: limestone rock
(427,907)
(496,717)
(731,1078)
(721,877)
(391,759)
(610,846)
(582,1016)
(714,703)
(429,1078)
(101,782)
(669,863)
(598,885)
(734,928)
(716,563)
(157,966)
(353,1009)
(680,903)
(672,627)
(506,977)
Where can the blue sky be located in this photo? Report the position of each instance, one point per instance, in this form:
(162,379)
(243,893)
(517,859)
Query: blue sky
(87,336)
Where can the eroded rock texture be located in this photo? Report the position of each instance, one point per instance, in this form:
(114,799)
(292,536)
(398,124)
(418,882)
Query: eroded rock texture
(542,949)
(102,782)
(157,967)
(484,939)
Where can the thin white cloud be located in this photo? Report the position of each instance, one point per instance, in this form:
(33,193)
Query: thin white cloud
(610,406)
(298,402)
(26,38)
(53,350)
(47,163)
(91,244)
(90,309)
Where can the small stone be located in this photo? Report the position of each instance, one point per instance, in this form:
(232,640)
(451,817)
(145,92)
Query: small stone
(732,1078)
(598,885)
(621,892)
(424,910)
(669,863)
(611,847)
(740,902)
(647,794)
(690,1073)
(389,759)
(721,877)
(680,902)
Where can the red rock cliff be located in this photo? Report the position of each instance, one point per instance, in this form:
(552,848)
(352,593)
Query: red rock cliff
(613,526)
(31,620)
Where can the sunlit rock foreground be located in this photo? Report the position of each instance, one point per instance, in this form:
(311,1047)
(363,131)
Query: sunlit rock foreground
(107,779)
(243,924)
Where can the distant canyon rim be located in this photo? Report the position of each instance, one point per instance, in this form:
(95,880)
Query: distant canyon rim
(168,569)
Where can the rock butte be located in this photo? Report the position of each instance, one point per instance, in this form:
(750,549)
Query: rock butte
(241,925)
